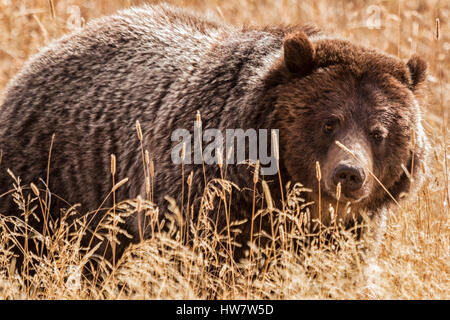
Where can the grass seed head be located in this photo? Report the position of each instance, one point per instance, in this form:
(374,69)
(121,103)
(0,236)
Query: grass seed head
(35,189)
(318,172)
(139,130)
(113,164)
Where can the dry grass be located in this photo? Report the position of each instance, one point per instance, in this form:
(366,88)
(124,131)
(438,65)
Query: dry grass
(413,261)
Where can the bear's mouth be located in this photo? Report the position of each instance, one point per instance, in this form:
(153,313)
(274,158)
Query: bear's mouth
(351,198)
(346,197)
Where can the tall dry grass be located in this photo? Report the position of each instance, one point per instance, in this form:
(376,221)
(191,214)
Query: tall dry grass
(412,262)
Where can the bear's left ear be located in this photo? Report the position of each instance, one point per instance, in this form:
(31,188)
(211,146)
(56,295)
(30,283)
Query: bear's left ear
(299,53)
(418,70)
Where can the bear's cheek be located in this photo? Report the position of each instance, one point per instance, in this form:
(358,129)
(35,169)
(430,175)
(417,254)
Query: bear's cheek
(390,159)
(299,165)
(299,151)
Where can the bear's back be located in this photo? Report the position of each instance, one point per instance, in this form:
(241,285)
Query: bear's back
(155,64)
(88,88)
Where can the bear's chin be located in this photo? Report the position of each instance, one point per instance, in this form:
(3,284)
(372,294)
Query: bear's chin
(330,197)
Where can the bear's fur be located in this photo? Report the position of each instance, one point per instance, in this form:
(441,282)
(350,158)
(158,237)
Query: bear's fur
(160,65)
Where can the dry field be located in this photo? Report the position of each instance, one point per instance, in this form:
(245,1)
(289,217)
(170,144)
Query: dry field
(412,263)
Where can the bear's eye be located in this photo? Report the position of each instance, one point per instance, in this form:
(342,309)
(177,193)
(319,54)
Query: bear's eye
(329,126)
(377,135)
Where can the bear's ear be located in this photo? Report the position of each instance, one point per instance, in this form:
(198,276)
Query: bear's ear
(298,53)
(418,70)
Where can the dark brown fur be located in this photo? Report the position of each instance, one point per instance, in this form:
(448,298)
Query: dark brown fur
(161,65)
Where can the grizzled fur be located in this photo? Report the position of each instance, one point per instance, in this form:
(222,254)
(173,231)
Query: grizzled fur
(159,65)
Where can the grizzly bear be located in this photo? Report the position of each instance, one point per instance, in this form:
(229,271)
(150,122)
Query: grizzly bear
(166,67)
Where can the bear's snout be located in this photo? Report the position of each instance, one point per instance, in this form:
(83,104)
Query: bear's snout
(350,177)
(349,168)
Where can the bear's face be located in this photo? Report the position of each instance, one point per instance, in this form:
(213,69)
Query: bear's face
(354,111)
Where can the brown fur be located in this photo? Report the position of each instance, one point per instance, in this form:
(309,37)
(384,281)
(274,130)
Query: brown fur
(159,65)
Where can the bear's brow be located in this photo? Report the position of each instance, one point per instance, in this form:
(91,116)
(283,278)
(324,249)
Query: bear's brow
(357,59)
(339,116)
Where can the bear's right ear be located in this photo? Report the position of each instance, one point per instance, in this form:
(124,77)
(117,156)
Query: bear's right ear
(298,53)
(418,70)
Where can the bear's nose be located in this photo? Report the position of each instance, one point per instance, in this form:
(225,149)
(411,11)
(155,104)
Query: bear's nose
(350,177)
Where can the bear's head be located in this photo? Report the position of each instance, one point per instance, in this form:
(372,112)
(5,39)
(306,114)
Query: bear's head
(355,111)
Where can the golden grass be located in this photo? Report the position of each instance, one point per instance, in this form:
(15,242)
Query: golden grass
(412,262)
